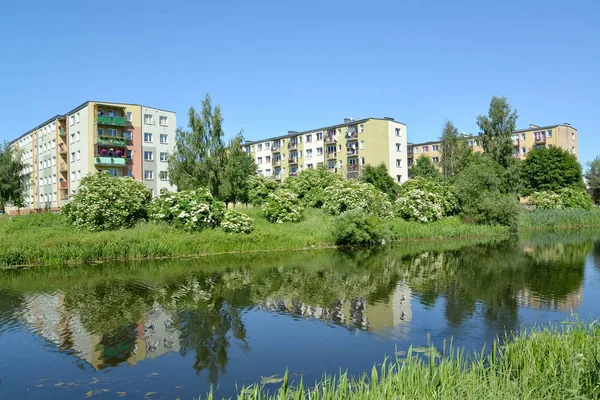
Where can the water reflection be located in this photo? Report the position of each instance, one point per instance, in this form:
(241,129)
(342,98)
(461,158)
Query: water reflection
(111,315)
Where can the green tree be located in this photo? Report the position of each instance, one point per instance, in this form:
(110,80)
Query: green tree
(424,168)
(551,170)
(453,151)
(380,178)
(496,131)
(199,156)
(592,175)
(12,177)
(239,167)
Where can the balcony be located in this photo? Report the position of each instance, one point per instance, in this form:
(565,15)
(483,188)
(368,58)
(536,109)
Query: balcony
(277,177)
(352,175)
(111,121)
(275,149)
(110,161)
(352,152)
(62,132)
(64,197)
(295,173)
(62,151)
(540,139)
(292,145)
(330,156)
(516,142)
(112,141)
(351,135)
(277,163)
(64,185)
(63,167)
(330,139)
(293,160)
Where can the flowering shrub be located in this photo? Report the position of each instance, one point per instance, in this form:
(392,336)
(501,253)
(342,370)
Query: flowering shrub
(420,205)
(546,200)
(236,222)
(449,201)
(351,195)
(104,202)
(190,210)
(564,198)
(310,185)
(282,206)
(259,188)
(355,227)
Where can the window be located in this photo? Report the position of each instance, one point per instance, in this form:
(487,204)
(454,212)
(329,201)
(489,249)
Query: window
(78,136)
(54,178)
(148,137)
(300,154)
(397,131)
(267,172)
(410,161)
(308,139)
(435,147)
(162,121)
(573,150)
(398,147)
(361,128)
(164,139)
(73,157)
(130,173)
(112,132)
(259,147)
(148,156)
(148,175)
(549,146)
(100,131)
(128,135)
(72,138)
(339,147)
(129,117)
(259,160)
(71,120)
(320,136)
(471,143)
(572,136)
(163,175)
(398,163)
(398,178)
(435,160)
(319,151)
(53,143)
(268,160)
(129,154)
(78,174)
(72,176)
(113,172)
(148,119)
(340,163)
(523,150)
(53,161)
(163,156)
(522,136)
(308,153)
(112,113)
(267,145)
(426,149)
(362,161)
(549,134)
(78,155)
(77,118)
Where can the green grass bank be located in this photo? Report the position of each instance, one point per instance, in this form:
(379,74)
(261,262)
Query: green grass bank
(541,364)
(44,239)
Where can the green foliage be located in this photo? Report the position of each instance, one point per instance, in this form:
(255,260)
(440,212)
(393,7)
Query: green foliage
(494,209)
(236,222)
(424,168)
(310,185)
(496,131)
(104,202)
(355,227)
(380,179)
(239,167)
(419,205)
(449,202)
(546,200)
(282,206)
(454,150)
(565,198)
(551,170)
(592,175)
(189,210)
(559,219)
(351,194)
(259,188)
(12,177)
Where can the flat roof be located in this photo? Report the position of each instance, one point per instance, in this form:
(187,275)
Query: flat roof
(538,128)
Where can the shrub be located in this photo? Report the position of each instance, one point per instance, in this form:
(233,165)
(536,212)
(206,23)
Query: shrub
(564,198)
(236,222)
(546,200)
(355,227)
(259,189)
(282,206)
(351,195)
(420,205)
(104,202)
(494,209)
(449,201)
(189,210)
(310,185)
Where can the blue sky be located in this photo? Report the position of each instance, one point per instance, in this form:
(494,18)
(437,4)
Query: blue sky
(275,66)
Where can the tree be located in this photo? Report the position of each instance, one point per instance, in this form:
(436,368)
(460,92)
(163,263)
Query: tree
(239,167)
(424,168)
(381,179)
(551,170)
(496,131)
(453,151)
(12,177)
(592,175)
(199,156)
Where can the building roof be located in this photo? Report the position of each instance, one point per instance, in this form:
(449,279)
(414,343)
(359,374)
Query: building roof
(539,128)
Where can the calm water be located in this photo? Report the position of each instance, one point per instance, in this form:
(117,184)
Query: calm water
(172,328)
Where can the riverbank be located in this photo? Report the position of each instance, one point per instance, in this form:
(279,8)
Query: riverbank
(45,239)
(541,364)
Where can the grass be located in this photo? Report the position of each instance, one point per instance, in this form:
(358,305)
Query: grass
(559,219)
(549,363)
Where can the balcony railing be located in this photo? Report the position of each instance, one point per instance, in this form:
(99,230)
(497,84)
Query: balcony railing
(63,167)
(330,139)
(540,139)
(332,169)
(62,131)
(116,161)
(275,149)
(295,173)
(64,185)
(293,160)
(277,177)
(292,145)
(276,163)
(113,121)
(64,197)
(112,141)
(352,152)
(352,168)
(351,135)
(516,143)
(62,150)
(352,174)
(331,155)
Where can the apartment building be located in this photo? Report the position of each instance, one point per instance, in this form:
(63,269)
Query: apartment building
(122,139)
(524,140)
(344,149)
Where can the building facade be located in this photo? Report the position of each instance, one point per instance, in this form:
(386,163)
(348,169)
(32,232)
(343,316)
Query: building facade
(122,139)
(343,149)
(524,140)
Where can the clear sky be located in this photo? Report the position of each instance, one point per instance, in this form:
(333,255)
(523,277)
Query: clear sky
(276,65)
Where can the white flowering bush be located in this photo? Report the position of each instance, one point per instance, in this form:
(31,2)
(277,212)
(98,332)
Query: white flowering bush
(450,203)
(564,198)
(236,222)
(355,195)
(259,187)
(105,202)
(310,185)
(547,200)
(281,206)
(420,205)
(190,210)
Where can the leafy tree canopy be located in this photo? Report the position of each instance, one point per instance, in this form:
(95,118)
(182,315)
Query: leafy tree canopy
(12,176)
(592,175)
(424,168)
(380,178)
(454,150)
(551,170)
(496,130)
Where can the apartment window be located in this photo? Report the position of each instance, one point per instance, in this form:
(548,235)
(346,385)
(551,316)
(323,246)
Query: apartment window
(148,137)
(361,128)
(398,147)
(426,149)
(572,136)
(362,161)
(164,139)
(573,150)
(77,118)
(72,176)
(471,143)
(129,154)
(128,135)
(435,147)
(397,131)
(259,147)
(340,163)
(54,178)
(522,136)
(112,113)
(398,163)
(73,157)
(163,121)
(267,172)
(148,119)
(549,134)
(300,154)
(320,136)
(112,132)
(435,160)
(163,175)
(130,173)
(72,138)
(361,145)
(53,161)
(523,150)
(259,160)
(339,147)
(53,143)
(78,136)
(148,175)
(129,117)
(78,155)
(163,156)
(319,151)
(113,172)
(148,156)
(410,161)
(268,160)
(78,174)
(308,153)
(71,120)
(100,132)
(308,139)
(549,146)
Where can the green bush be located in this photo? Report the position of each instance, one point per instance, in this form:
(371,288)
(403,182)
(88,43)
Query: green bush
(189,210)
(355,227)
(547,200)
(350,195)
(236,222)
(259,189)
(449,201)
(565,198)
(310,185)
(419,205)
(104,202)
(281,206)
(494,209)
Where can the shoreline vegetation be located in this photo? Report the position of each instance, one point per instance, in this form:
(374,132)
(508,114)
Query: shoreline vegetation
(49,239)
(554,362)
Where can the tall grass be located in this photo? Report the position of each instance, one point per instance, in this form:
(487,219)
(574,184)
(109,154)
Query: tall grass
(540,364)
(559,219)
